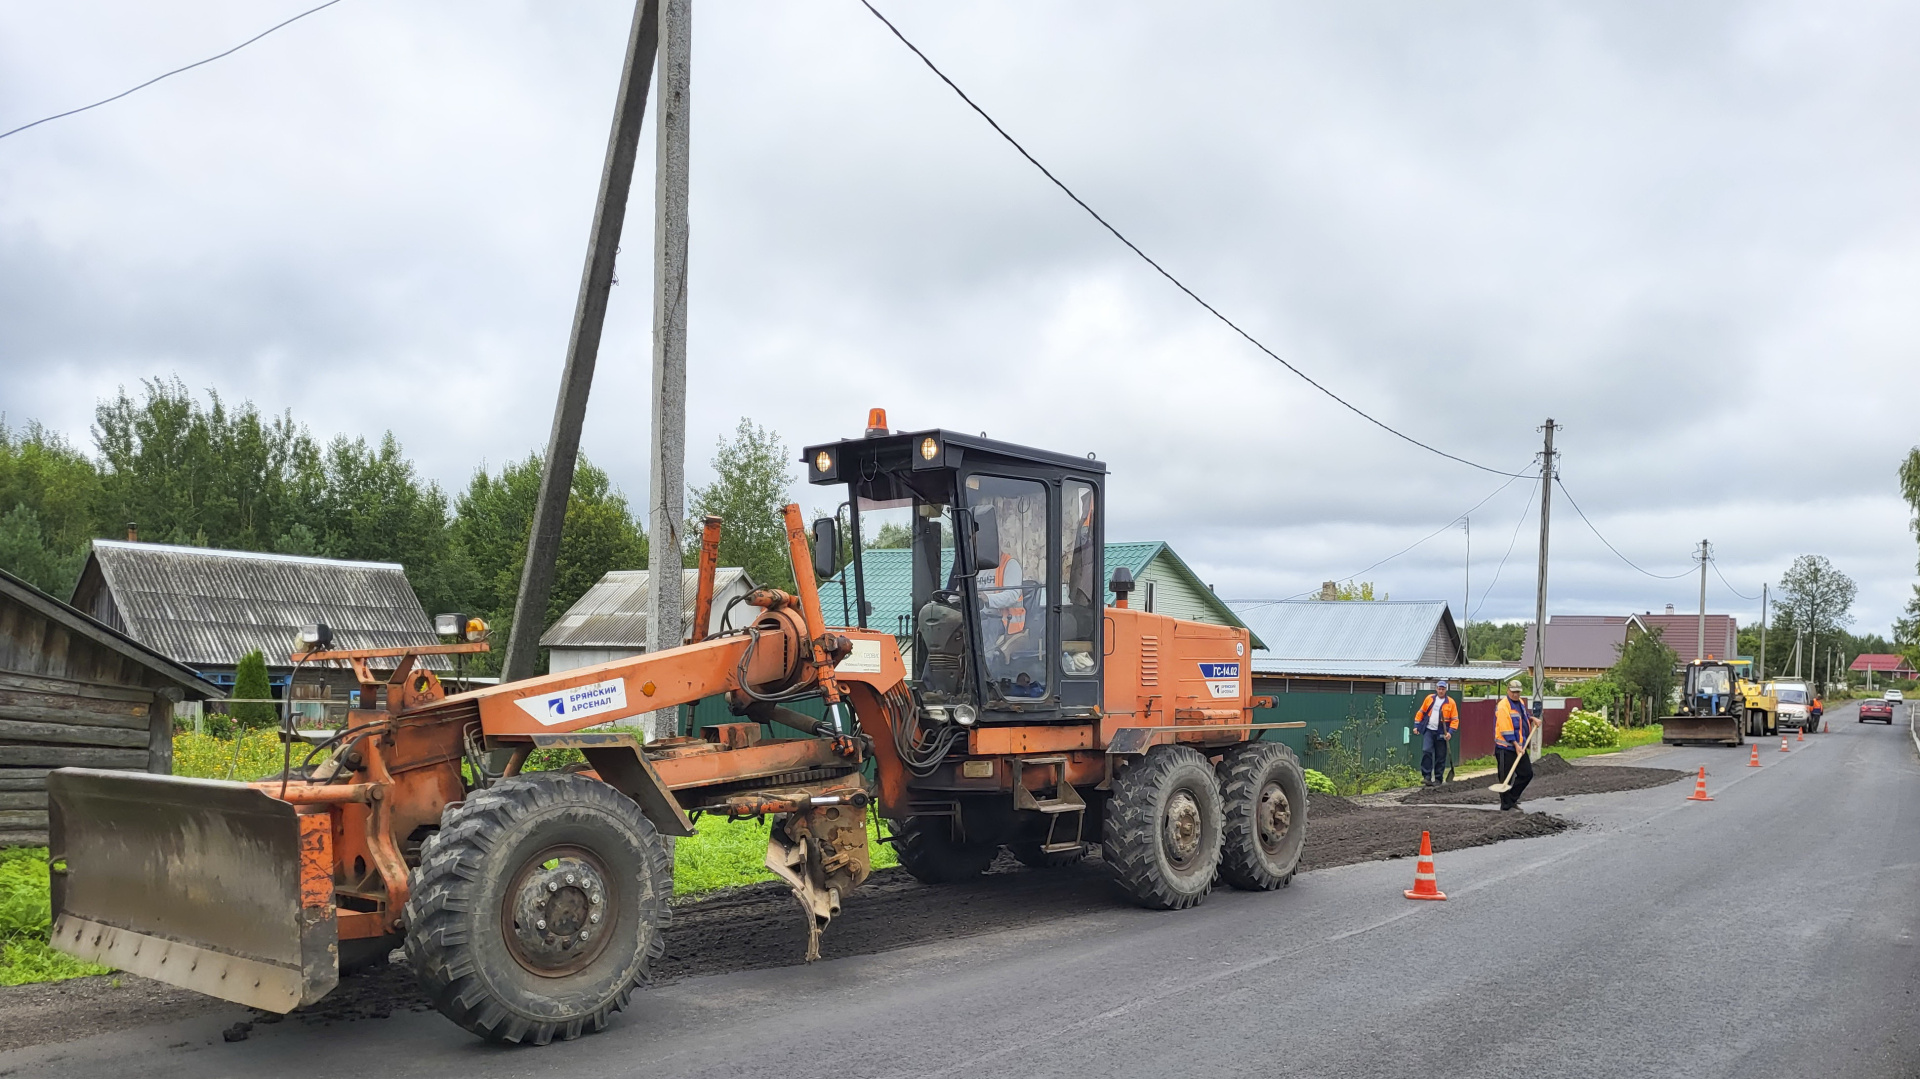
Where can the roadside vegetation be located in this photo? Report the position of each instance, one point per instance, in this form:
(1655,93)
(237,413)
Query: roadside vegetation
(25,916)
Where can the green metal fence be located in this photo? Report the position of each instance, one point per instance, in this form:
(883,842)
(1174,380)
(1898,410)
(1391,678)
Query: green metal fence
(1329,714)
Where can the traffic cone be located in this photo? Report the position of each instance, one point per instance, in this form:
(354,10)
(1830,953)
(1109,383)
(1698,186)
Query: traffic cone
(1801,735)
(1826,727)
(1783,744)
(1425,886)
(1755,762)
(1700,787)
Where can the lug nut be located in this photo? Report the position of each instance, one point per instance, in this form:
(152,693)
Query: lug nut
(569,878)
(541,924)
(594,899)
(584,935)
(553,886)
(595,918)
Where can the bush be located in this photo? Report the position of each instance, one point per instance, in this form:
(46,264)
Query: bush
(25,912)
(250,683)
(252,755)
(1318,782)
(1588,730)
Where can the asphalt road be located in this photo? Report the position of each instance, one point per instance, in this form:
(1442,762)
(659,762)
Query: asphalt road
(1770,932)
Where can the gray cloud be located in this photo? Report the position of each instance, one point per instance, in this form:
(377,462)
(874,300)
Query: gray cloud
(1686,233)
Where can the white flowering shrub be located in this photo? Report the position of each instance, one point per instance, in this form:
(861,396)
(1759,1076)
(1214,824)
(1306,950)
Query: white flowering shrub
(1588,730)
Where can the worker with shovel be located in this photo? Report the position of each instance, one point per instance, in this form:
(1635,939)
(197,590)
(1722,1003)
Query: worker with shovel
(1436,719)
(1512,731)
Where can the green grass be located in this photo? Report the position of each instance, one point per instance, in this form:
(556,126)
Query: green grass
(252,755)
(25,913)
(1629,738)
(726,854)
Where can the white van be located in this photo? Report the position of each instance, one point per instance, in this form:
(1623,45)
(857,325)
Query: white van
(1795,698)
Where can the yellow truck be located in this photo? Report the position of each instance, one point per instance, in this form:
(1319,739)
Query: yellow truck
(1762,707)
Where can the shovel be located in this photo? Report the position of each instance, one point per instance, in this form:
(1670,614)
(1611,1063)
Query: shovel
(1506,784)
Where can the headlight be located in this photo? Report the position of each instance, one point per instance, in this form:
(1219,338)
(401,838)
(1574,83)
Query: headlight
(823,462)
(964,714)
(929,449)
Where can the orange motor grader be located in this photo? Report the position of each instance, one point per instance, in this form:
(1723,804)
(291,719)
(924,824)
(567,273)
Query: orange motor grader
(1018,709)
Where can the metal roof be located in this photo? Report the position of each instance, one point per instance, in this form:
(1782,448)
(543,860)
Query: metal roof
(1415,672)
(613,613)
(99,632)
(206,607)
(1371,631)
(1581,642)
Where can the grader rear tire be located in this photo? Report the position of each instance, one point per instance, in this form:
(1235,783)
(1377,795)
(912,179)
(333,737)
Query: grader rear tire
(537,907)
(1265,806)
(1163,827)
(927,850)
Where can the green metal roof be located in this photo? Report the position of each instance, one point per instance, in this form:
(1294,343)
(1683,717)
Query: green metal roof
(888,574)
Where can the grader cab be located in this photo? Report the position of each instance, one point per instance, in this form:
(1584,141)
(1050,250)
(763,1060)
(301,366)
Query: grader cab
(1018,709)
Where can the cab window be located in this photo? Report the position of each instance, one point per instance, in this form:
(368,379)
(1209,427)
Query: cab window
(1080,589)
(1010,585)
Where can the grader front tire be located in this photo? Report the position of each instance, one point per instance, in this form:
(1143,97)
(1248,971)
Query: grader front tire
(537,907)
(927,850)
(1265,805)
(1163,826)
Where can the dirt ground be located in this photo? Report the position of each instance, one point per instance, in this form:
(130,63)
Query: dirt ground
(1553,777)
(760,926)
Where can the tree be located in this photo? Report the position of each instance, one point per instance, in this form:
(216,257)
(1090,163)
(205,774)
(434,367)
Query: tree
(748,493)
(49,495)
(487,544)
(1502,641)
(1816,599)
(893,534)
(1910,486)
(1906,630)
(1351,591)
(1645,670)
(250,686)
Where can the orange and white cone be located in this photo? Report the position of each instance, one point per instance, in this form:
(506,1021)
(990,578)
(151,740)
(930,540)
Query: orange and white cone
(1783,744)
(1425,885)
(1826,727)
(1801,735)
(1755,762)
(1700,787)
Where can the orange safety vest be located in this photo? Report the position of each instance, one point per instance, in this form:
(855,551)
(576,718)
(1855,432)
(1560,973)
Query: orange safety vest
(1014,617)
(1449,713)
(1511,726)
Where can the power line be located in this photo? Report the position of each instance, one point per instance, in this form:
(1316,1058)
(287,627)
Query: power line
(1515,538)
(1610,546)
(1161,270)
(1729,584)
(170,74)
(1255,605)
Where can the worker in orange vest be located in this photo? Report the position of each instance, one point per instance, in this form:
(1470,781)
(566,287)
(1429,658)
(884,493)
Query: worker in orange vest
(1436,719)
(1512,731)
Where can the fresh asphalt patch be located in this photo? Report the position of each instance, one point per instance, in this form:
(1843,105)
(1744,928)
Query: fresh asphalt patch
(760,926)
(1553,777)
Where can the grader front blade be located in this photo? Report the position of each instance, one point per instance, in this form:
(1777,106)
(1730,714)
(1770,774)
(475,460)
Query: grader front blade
(216,887)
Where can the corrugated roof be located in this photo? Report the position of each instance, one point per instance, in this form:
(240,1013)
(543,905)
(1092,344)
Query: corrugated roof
(613,613)
(1580,642)
(92,628)
(1417,672)
(1376,631)
(888,576)
(207,607)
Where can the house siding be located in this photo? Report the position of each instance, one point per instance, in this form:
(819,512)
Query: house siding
(1174,595)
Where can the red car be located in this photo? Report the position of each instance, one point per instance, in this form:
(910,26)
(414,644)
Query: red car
(1880,710)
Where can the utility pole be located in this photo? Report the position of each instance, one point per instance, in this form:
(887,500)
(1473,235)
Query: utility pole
(1467,599)
(583,349)
(1700,642)
(1540,578)
(666,489)
(1762,666)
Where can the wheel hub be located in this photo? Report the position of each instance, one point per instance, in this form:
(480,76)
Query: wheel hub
(1274,817)
(1181,829)
(557,913)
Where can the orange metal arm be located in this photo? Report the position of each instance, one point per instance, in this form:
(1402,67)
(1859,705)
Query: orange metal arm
(709,567)
(809,589)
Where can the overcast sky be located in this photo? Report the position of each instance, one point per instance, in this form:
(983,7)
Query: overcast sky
(1687,232)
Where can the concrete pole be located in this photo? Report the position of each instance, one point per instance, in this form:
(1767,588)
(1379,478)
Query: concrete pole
(583,348)
(1466,598)
(666,489)
(1762,666)
(1540,579)
(1700,642)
